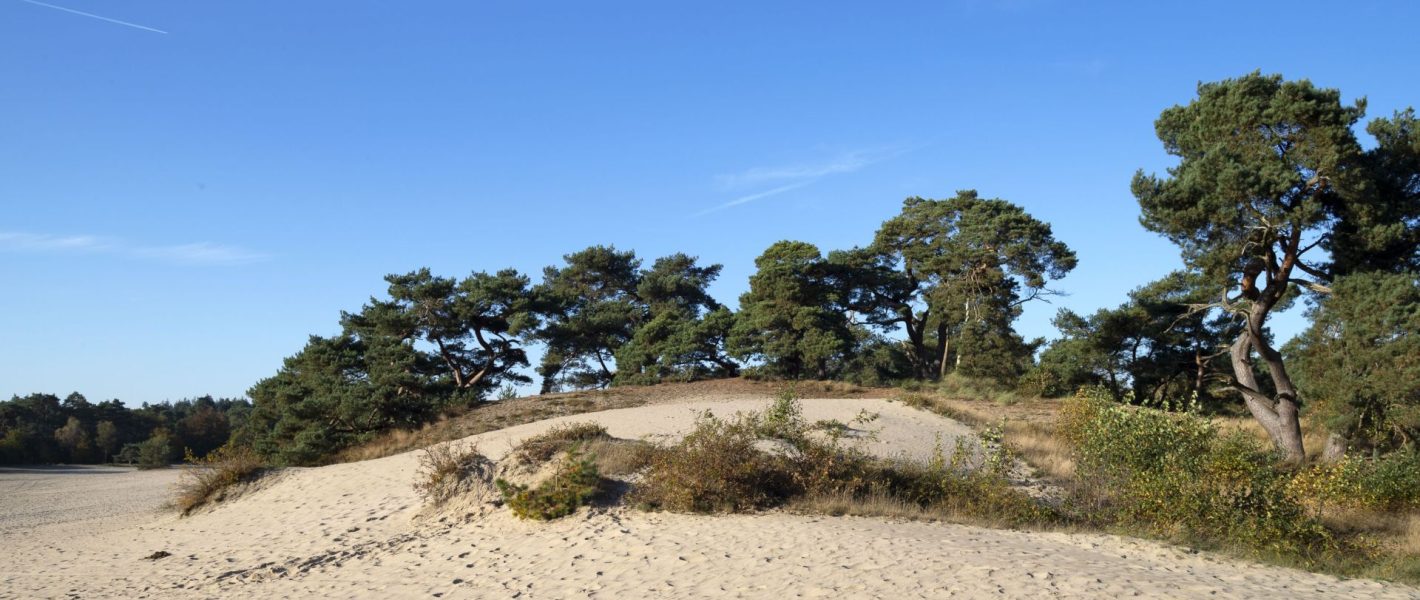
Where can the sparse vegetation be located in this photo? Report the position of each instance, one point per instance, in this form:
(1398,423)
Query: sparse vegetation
(618,458)
(447,470)
(775,459)
(714,468)
(504,414)
(212,477)
(561,438)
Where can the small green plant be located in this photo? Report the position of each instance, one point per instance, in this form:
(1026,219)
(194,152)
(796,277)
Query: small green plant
(211,477)
(784,418)
(575,484)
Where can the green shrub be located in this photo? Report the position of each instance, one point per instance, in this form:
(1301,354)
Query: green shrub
(575,484)
(1173,475)
(949,487)
(977,388)
(1390,482)
(211,477)
(715,468)
(784,419)
(156,452)
(1043,383)
(1393,481)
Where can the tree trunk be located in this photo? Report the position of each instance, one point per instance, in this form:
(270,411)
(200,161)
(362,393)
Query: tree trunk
(919,348)
(943,347)
(946,350)
(1280,416)
(1335,448)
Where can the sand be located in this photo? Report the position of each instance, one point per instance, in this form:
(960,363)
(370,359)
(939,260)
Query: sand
(351,530)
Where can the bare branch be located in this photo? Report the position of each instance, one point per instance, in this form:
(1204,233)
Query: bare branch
(1313,286)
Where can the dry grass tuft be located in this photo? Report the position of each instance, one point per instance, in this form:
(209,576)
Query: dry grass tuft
(449,470)
(561,438)
(1408,542)
(1028,427)
(210,479)
(873,504)
(618,458)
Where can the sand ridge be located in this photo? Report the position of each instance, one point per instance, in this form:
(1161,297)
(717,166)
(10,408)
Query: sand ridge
(350,530)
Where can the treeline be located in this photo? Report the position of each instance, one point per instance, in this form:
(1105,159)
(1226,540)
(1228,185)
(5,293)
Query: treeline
(42,428)
(1273,201)
(936,293)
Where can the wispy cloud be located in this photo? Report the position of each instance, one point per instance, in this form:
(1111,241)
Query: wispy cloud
(94,16)
(200,253)
(792,177)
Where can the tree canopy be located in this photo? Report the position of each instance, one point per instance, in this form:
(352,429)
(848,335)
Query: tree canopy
(955,272)
(1270,178)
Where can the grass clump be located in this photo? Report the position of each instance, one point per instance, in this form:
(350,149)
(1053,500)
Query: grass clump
(447,470)
(964,487)
(213,476)
(575,484)
(618,458)
(541,448)
(960,386)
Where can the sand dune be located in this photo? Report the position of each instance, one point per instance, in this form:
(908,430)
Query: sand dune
(351,530)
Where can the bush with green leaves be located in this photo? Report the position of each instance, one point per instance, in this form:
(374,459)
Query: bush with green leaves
(156,452)
(1174,475)
(574,485)
(1390,482)
(715,468)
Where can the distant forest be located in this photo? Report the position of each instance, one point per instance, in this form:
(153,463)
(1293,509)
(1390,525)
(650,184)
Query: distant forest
(42,428)
(1273,201)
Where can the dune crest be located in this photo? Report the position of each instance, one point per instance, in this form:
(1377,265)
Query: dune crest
(360,530)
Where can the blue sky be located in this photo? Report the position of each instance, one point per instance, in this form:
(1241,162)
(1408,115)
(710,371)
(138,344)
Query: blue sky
(189,189)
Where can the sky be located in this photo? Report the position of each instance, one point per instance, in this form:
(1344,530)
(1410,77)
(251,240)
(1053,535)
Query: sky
(190,189)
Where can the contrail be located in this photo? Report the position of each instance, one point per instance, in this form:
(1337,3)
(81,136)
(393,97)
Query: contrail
(752,197)
(94,16)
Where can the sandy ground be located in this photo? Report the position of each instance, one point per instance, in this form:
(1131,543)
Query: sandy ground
(350,531)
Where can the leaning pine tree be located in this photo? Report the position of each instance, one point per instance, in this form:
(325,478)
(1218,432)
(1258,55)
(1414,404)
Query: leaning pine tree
(1272,194)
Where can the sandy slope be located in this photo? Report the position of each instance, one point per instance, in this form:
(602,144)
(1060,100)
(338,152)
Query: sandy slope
(349,531)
